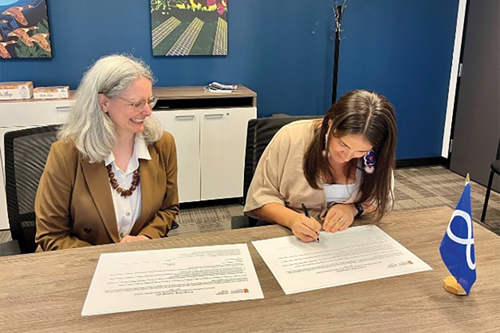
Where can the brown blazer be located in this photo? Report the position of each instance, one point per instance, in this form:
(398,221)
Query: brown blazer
(74,207)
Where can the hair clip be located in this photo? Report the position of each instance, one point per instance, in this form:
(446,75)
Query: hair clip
(369,160)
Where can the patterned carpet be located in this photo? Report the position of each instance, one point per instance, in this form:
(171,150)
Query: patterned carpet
(415,188)
(427,187)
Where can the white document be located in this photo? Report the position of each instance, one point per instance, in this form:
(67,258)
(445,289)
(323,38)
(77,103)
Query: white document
(357,254)
(130,281)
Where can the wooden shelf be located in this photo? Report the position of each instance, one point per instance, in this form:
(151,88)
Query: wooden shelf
(197,92)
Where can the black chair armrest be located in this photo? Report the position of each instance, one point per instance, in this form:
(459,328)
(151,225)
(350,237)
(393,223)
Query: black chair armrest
(9,248)
(242,221)
(175,225)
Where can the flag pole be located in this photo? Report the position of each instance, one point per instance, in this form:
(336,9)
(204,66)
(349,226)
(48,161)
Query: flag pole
(451,284)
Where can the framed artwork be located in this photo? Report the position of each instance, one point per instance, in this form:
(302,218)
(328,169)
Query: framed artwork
(189,27)
(24,29)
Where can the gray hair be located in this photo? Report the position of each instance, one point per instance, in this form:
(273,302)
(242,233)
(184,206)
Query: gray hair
(92,131)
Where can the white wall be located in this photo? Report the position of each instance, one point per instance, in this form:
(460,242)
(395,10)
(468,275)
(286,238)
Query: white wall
(453,77)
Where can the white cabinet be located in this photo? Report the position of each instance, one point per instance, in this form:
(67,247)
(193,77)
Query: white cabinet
(210,133)
(34,112)
(222,151)
(16,115)
(184,126)
(210,150)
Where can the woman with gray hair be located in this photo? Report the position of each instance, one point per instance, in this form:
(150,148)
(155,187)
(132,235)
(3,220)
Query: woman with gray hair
(112,175)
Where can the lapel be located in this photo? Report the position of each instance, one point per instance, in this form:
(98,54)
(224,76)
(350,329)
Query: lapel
(95,175)
(149,176)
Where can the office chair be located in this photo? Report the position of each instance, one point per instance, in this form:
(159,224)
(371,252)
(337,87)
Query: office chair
(260,131)
(495,168)
(26,152)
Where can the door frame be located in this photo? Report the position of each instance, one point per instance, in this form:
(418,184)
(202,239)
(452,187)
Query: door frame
(454,85)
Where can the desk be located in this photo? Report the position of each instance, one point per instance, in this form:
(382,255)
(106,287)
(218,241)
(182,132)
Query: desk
(45,292)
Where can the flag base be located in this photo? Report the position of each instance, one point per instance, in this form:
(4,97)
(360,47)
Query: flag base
(451,285)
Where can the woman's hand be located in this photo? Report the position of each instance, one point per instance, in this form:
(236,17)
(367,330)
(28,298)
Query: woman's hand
(339,217)
(305,228)
(129,238)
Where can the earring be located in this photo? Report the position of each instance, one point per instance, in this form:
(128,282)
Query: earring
(324,152)
(369,160)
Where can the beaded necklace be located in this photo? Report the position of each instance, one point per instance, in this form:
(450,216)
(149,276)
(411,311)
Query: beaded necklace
(114,183)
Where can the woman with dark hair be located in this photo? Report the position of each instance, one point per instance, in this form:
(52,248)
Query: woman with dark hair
(340,167)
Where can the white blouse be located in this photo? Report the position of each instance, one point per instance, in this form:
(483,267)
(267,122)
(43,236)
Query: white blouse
(128,209)
(338,192)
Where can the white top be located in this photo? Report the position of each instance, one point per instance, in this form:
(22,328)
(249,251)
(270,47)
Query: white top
(338,192)
(128,209)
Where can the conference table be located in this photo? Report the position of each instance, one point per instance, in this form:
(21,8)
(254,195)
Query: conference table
(45,292)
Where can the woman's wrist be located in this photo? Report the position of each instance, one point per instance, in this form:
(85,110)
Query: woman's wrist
(358,210)
(290,219)
(277,213)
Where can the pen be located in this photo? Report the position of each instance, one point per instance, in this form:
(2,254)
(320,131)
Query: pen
(307,215)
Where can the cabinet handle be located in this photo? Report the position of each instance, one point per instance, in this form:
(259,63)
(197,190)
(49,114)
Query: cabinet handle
(214,115)
(185,117)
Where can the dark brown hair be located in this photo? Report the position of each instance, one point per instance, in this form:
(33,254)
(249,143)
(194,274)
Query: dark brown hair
(359,112)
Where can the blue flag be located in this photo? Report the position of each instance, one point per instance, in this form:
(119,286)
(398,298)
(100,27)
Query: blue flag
(457,247)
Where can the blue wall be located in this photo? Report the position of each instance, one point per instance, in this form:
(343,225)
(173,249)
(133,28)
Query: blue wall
(282,50)
(403,50)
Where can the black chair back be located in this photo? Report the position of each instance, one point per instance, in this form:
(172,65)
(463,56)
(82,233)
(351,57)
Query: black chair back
(26,152)
(260,131)
(498,150)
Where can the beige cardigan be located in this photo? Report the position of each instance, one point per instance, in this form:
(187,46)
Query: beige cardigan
(279,176)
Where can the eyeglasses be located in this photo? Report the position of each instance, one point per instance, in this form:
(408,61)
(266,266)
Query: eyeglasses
(343,144)
(139,104)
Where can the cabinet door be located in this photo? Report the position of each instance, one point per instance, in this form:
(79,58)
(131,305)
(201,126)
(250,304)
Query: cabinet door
(184,126)
(62,112)
(34,112)
(222,151)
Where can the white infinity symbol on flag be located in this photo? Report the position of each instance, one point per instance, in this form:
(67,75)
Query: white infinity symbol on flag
(464,241)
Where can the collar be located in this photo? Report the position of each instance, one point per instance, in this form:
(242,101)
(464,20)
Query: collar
(140,152)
